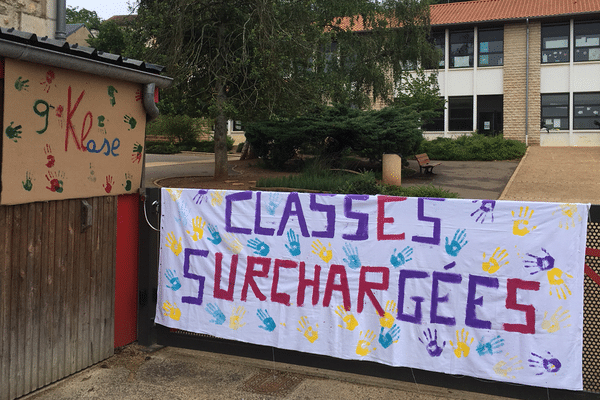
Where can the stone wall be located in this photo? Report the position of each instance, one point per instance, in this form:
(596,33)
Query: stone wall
(35,16)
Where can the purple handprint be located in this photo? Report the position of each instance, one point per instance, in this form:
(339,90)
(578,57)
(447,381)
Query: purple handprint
(539,263)
(550,364)
(431,344)
(486,208)
(200,196)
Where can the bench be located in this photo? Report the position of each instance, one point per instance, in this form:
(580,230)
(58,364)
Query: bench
(424,163)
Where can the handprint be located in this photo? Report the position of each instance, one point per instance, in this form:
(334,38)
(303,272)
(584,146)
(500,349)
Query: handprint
(492,265)
(539,264)
(130,120)
(555,279)
(363,346)
(56,181)
(502,368)
(309,333)
(197,228)
(200,196)
(111,94)
(173,280)
(554,274)
(462,348)
(323,252)
(175,193)
(138,95)
(233,243)
(353,261)
(458,242)
(173,244)
(20,84)
(137,152)
(431,344)
(27,183)
(486,208)
(265,318)
(215,311)
(568,211)
(388,318)
(128,183)
(550,364)
(214,233)
(92,177)
(171,311)
(274,202)
(216,198)
(49,156)
(398,260)
(389,337)
(260,247)
(13,133)
(108,185)
(553,324)
(237,314)
(520,225)
(347,317)
(489,347)
(48,82)
(294,243)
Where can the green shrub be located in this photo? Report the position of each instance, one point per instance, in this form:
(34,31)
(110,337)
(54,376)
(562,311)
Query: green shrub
(476,147)
(161,148)
(177,128)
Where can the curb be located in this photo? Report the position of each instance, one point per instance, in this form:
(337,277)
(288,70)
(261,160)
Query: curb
(512,178)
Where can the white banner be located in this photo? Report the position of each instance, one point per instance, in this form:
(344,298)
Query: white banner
(490,289)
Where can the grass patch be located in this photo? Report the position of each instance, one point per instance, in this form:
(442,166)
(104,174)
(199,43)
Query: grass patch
(473,148)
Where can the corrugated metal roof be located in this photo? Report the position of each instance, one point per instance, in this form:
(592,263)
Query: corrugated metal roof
(498,10)
(90,53)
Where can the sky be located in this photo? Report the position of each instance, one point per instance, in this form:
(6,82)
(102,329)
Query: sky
(105,9)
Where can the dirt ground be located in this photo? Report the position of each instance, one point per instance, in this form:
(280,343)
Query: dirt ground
(243,175)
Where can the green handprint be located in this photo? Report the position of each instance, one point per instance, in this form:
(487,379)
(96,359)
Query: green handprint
(27,184)
(130,120)
(111,94)
(13,133)
(20,85)
(101,119)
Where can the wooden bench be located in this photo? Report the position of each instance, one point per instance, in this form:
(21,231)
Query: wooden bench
(425,163)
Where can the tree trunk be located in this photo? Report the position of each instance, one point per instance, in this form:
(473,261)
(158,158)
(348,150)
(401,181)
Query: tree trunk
(221,170)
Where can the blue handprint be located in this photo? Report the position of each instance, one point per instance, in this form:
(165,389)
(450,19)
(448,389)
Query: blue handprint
(259,247)
(486,208)
(217,314)
(433,349)
(200,196)
(353,261)
(401,258)
(173,280)
(265,318)
(274,202)
(293,239)
(214,233)
(390,337)
(458,242)
(489,347)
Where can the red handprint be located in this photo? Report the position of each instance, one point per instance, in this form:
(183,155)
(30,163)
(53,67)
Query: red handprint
(49,156)
(138,95)
(49,78)
(108,184)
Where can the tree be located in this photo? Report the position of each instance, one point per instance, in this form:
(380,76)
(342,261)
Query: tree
(118,38)
(261,59)
(76,16)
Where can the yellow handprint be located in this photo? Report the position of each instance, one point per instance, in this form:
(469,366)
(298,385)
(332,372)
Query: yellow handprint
(388,319)
(309,332)
(216,198)
(493,264)
(236,317)
(522,221)
(198,228)
(173,244)
(502,368)
(347,317)
(554,278)
(175,194)
(323,252)
(568,210)
(362,347)
(171,311)
(462,348)
(553,324)
(233,243)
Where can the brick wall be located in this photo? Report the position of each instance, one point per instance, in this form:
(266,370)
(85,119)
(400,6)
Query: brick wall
(515,64)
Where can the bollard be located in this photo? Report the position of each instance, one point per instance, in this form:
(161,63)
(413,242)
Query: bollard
(392,169)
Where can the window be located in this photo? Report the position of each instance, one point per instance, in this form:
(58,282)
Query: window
(437,123)
(491,47)
(460,113)
(237,125)
(555,43)
(586,111)
(587,41)
(438,40)
(555,111)
(461,49)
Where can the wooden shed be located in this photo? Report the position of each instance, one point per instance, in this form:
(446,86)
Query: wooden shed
(73,129)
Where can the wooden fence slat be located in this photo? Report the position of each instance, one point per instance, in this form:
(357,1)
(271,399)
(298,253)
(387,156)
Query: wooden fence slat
(95,302)
(74,289)
(21,316)
(46,295)
(61,305)
(5,285)
(32,286)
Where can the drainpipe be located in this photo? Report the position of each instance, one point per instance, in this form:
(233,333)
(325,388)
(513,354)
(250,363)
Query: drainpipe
(527,87)
(61,20)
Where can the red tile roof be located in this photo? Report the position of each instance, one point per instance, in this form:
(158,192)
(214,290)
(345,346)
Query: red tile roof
(494,10)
